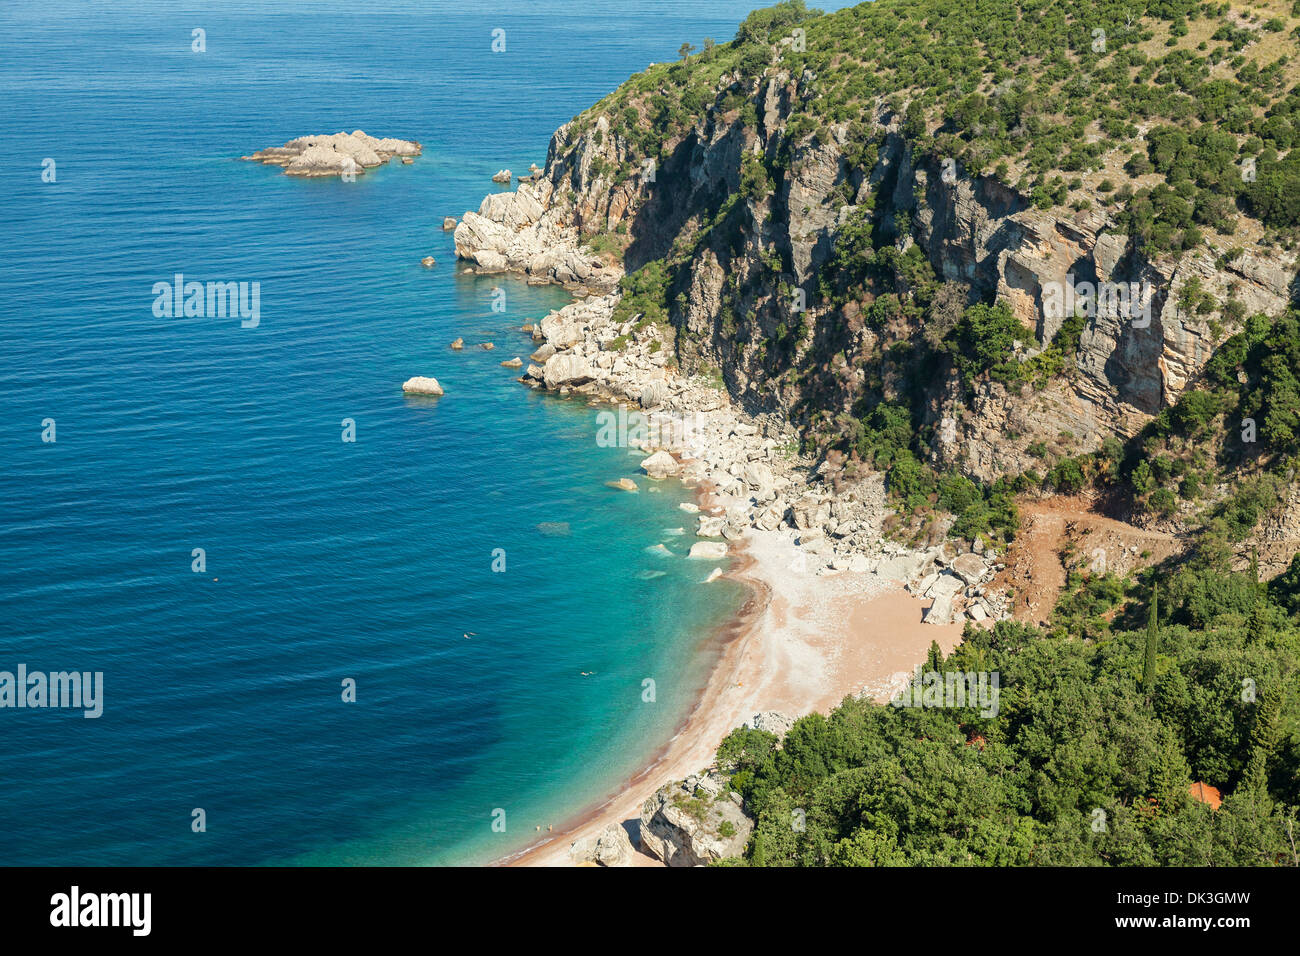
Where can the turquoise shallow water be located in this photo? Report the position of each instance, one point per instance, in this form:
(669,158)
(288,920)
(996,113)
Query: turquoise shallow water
(325,560)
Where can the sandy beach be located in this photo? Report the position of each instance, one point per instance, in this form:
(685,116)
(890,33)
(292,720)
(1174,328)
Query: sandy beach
(802,643)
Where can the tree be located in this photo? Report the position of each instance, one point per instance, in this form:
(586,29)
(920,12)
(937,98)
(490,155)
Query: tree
(685,51)
(1259,606)
(1153,644)
(945,311)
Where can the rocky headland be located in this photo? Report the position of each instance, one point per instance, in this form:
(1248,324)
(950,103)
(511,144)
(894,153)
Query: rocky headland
(757,278)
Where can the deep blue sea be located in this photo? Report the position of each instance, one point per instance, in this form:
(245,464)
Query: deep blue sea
(325,560)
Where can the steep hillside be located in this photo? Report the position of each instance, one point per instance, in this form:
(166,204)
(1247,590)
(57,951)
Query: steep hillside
(985,248)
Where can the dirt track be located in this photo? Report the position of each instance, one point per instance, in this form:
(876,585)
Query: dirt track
(1035,569)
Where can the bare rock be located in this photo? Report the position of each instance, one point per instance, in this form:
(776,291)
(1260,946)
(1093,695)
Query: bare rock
(611,847)
(709,550)
(566,369)
(422,385)
(970,568)
(693,827)
(941,611)
(659,465)
(771,721)
(340,154)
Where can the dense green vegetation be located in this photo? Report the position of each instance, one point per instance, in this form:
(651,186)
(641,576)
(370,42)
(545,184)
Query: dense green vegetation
(1038,92)
(1180,121)
(1180,117)
(1242,420)
(1100,731)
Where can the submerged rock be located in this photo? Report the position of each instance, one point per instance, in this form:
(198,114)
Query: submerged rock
(428,262)
(625,484)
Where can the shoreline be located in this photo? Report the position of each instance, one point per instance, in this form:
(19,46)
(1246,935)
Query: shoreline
(801,644)
(726,641)
(834,605)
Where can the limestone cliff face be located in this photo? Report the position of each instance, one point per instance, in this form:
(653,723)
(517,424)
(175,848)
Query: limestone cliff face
(744,293)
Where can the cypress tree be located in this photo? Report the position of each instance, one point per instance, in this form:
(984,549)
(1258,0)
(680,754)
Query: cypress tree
(1263,739)
(1153,643)
(1257,629)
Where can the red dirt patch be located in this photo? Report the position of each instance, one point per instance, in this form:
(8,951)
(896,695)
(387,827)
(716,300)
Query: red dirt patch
(1206,794)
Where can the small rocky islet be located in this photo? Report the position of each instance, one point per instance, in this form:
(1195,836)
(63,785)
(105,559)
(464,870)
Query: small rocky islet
(337,154)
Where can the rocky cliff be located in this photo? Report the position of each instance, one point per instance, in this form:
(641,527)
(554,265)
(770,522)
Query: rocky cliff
(749,216)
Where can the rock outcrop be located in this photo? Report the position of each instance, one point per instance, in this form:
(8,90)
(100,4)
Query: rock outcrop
(611,847)
(339,154)
(694,822)
(522,231)
(729,308)
(772,722)
(422,385)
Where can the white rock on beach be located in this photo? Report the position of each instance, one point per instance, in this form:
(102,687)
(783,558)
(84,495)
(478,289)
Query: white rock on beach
(969,567)
(611,847)
(673,833)
(422,385)
(771,721)
(941,611)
